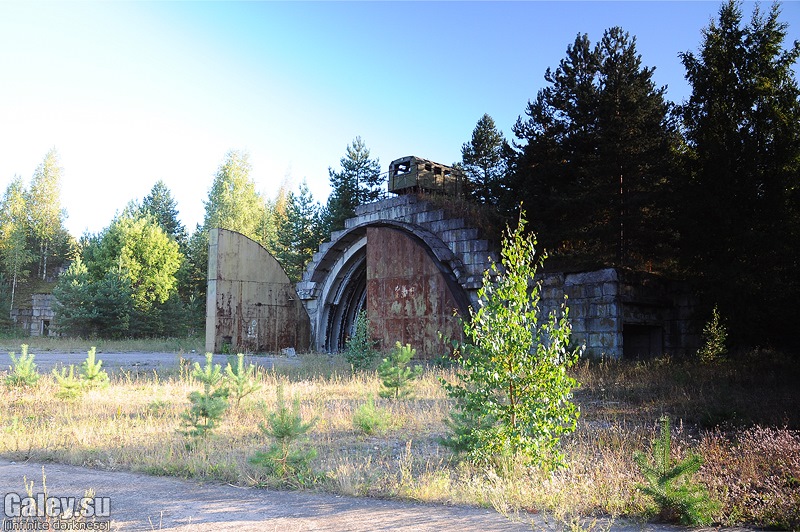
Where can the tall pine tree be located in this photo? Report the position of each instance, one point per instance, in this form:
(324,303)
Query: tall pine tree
(160,204)
(359,181)
(483,159)
(594,156)
(742,208)
(300,232)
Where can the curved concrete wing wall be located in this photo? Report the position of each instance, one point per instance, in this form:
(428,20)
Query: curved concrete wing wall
(251,305)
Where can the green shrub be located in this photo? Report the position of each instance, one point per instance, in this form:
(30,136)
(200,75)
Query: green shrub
(513,396)
(285,458)
(370,419)
(669,483)
(23,369)
(92,374)
(396,376)
(360,350)
(241,380)
(69,385)
(208,406)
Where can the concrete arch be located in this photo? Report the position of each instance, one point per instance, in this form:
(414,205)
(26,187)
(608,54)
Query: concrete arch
(354,271)
(344,294)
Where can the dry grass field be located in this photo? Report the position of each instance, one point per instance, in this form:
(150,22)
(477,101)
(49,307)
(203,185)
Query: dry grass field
(741,415)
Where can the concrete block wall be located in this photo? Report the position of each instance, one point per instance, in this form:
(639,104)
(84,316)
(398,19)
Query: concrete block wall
(38,318)
(619,313)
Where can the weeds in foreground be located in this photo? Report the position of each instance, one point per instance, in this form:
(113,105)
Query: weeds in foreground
(752,469)
(370,419)
(23,370)
(396,376)
(208,406)
(286,459)
(669,483)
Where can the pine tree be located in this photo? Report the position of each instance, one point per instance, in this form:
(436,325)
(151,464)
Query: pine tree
(160,204)
(299,232)
(742,125)
(484,162)
(358,182)
(595,157)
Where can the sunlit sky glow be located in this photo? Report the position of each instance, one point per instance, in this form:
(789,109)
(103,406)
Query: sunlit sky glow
(129,93)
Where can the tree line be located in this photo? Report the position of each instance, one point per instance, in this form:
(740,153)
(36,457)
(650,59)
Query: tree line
(144,275)
(610,172)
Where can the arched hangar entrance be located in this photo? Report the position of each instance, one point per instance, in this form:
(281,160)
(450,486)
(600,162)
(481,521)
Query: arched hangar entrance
(402,275)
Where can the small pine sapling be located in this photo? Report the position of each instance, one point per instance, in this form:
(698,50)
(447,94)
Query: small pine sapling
(360,350)
(23,369)
(285,458)
(669,483)
(396,376)
(370,419)
(69,385)
(92,374)
(241,379)
(208,406)
(715,334)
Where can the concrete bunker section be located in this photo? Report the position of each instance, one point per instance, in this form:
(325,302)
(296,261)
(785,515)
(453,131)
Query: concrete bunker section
(251,304)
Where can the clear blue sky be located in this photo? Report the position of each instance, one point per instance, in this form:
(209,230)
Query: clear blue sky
(129,93)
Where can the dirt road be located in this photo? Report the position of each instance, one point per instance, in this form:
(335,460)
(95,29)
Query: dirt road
(142,502)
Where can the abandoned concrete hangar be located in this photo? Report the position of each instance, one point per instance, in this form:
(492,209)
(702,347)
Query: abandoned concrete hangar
(414,269)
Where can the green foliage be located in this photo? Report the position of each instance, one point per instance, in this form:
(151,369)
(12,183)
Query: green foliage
(123,284)
(15,251)
(162,207)
(69,385)
(396,376)
(360,181)
(208,406)
(669,483)
(299,232)
(513,394)
(742,125)
(86,307)
(484,162)
(233,201)
(360,350)
(715,334)
(240,380)
(597,152)
(92,374)
(44,204)
(286,459)
(370,419)
(23,370)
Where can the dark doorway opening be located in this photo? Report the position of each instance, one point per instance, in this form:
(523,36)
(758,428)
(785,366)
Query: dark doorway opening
(642,341)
